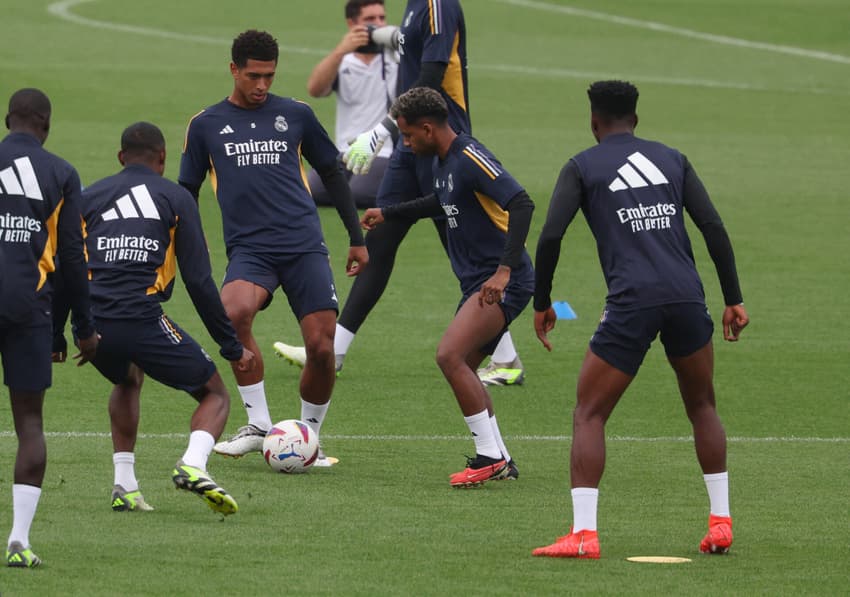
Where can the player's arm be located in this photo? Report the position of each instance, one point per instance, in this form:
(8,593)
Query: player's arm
(563,206)
(322,154)
(61,308)
(196,271)
(321,81)
(698,204)
(414,209)
(73,268)
(519,208)
(194,161)
(362,150)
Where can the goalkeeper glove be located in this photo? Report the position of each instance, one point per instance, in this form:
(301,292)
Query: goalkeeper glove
(361,151)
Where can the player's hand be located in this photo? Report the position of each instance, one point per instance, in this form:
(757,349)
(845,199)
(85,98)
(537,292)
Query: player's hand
(247,362)
(361,151)
(544,322)
(371,218)
(493,290)
(735,319)
(59,357)
(88,348)
(358,258)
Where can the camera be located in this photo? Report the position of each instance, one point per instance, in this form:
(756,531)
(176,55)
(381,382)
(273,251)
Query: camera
(371,47)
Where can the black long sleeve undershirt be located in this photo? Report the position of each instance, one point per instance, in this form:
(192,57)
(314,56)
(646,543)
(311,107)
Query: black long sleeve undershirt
(520,209)
(340,195)
(697,203)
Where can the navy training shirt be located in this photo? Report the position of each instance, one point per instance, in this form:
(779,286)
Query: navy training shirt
(473,189)
(254,161)
(435,31)
(632,200)
(39,219)
(139,227)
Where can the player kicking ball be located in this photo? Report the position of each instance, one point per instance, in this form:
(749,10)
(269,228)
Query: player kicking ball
(488,216)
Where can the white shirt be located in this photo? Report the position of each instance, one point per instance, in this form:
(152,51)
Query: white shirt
(364,93)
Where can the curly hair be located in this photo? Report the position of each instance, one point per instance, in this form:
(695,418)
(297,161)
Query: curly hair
(421,102)
(253,45)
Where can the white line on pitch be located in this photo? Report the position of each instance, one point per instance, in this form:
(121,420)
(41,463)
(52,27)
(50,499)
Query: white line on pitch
(416,438)
(62,10)
(689,33)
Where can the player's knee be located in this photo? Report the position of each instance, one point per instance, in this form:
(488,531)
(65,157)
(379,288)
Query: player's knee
(448,359)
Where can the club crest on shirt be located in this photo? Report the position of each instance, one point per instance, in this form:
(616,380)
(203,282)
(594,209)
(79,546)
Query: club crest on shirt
(280,124)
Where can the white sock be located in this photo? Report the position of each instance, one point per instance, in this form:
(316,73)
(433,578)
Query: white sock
(482,434)
(200,445)
(24,504)
(314,414)
(125,473)
(585,500)
(499,441)
(505,351)
(254,401)
(342,340)
(717,485)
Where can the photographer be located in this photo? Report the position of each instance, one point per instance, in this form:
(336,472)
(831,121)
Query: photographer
(363,75)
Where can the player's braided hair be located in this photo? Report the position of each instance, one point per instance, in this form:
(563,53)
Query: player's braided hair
(613,99)
(421,102)
(253,45)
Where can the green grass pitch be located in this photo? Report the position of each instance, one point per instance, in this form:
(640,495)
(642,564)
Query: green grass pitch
(755,93)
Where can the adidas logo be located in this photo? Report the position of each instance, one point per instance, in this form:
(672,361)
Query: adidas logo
(125,208)
(226,130)
(630,174)
(24,183)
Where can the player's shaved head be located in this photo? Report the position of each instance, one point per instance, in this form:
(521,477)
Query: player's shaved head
(421,103)
(29,109)
(253,45)
(613,99)
(141,139)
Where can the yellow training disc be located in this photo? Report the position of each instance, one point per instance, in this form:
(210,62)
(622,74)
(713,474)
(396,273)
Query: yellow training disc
(658,559)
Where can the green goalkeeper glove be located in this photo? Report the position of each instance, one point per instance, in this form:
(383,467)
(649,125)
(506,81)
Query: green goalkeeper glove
(361,151)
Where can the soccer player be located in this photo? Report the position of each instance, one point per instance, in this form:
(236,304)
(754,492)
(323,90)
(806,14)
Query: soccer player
(488,215)
(634,193)
(252,143)
(363,77)
(40,217)
(432,45)
(136,224)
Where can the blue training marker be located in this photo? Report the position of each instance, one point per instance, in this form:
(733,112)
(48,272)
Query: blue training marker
(563,310)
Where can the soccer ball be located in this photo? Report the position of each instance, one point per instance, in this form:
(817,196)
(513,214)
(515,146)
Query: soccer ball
(291,446)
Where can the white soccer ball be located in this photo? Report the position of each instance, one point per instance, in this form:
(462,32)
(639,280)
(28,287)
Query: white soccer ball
(291,446)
